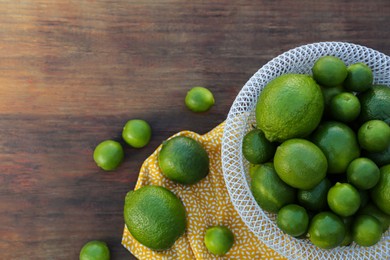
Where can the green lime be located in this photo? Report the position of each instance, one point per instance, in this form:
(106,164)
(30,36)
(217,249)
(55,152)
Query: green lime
(343,199)
(372,210)
(293,220)
(359,77)
(329,93)
(218,240)
(363,173)
(375,104)
(345,107)
(137,133)
(380,158)
(326,230)
(289,106)
(366,230)
(256,148)
(339,144)
(374,136)
(154,216)
(329,71)
(300,163)
(183,160)
(315,199)
(380,194)
(270,192)
(108,155)
(199,99)
(95,250)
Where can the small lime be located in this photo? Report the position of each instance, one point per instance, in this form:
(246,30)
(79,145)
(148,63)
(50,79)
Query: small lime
(293,220)
(343,199)
(108,155)
(359,77)
(329,71)
(374,136)
(363,173)
(366,230)
(329,93)
(199,99)
(256,148)
(218,240)
(345,107)
(95,250)
(137,133)
(372,210)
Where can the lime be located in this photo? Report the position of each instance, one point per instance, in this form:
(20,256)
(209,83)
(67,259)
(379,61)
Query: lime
(326,230)
(339,144)
(219,240)
(345,107)
(380,194)
(363,173)
(270,192)
(329,71)
(343,199)
(108,155)
(372,210)
(289,106)
(315,199)
(293,220)
(95,250)
(329,93)
(256,148)
(375,103)
(359,77)
(300,163)
(137,133)
(183,160)
(380,158)
(199,99)
(366,230)
(154,216)
(374,136)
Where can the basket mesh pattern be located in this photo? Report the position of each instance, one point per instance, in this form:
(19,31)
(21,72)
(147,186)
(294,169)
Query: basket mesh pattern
(240,118)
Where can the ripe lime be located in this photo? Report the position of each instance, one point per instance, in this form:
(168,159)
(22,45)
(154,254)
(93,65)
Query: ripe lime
(95,250)
(218,240)
(256,148)
(269,191)
(372,210)
(329,71)
(137,133)
(343,199)
(293,220)
(199,99)
(363,173)
(345,107)
(380,194)
(339,144)
(315,199)
(108,155)
(326,230)
(359,77)
(289,106)
(154,216)
(183,160)
(300,163)
(375,104)
(366,230)
(374,136)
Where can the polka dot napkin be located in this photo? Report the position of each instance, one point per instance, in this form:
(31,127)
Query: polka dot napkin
(207,204)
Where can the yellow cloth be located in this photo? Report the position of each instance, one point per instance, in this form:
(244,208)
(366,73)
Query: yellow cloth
(207,204)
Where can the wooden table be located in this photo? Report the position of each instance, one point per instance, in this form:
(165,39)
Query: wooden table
(73,72)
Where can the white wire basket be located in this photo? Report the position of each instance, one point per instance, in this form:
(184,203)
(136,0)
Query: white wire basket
(240,119)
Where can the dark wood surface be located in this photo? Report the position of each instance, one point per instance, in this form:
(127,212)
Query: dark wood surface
(73,72)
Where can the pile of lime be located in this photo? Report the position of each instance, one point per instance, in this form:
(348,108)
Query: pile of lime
(320,154)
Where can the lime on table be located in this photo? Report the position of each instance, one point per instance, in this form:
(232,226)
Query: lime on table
(154,216)
(183,160)
(218,240)
(326,230)
(380,194)
(293,220)
(366,230)
(359,77)
(137,133)
(289,106)
(343,199)
(375,103)
(256,148)
(329,71)
(374,136)
(108,155)
(269,191)
(345,107)
(199,99)
(300,163)
(95,250)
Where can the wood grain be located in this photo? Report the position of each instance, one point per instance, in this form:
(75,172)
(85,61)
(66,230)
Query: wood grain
(73,72)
